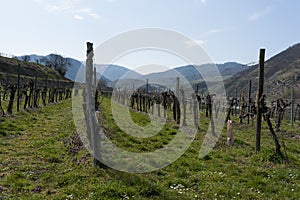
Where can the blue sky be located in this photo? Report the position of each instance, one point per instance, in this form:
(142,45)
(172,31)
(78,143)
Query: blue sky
(228,30)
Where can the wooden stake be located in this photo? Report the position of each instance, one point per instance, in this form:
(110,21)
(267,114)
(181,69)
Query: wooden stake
(259,95)
(292,106)
(18,91)
(249,102)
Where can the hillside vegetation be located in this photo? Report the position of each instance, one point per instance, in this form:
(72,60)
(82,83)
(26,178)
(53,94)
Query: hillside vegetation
(29,69)
(282,72)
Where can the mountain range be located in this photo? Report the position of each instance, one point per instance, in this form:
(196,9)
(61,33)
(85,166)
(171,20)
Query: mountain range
(282,72)
(112,73)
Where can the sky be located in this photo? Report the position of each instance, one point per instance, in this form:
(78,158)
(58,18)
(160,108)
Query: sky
(228,30)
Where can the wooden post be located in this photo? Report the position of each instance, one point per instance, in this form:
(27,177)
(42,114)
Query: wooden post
(230,138)
(91,123)
(184,107)
(6,86)
(195,110)
(249,102)
(44,91)
(18,91)
(35,91)
(147,86)
(177,87)
(292,106)
(158,109)
(235,106)
(259,95)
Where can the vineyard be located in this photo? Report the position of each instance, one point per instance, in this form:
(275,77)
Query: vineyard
(20,90)
(58,150)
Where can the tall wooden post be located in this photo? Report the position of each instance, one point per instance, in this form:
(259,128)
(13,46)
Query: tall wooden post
(88,89)
(235,106)
(6,86)
(90,105)
(35,91)
(18,91)
(147,86)
(292,106)
(259,95)
(249,102)
(177,87)
(184,107)
(195,110)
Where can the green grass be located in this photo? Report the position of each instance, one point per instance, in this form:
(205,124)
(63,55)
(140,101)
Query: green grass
(41,158)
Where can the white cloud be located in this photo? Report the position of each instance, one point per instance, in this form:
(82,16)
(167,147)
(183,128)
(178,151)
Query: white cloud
(78,17)
(89,12)
(61,6)
(95,15)
(257,15)
(110,1)
(71,7)
(200,1)
(85,10)
(212,31)
(193,43)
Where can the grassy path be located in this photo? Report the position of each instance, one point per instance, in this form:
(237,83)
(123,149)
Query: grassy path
(40,158)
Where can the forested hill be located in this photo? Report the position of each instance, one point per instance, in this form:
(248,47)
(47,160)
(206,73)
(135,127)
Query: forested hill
(30,69)
(282,72)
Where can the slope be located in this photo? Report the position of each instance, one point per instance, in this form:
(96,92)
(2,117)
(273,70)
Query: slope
(30,69)
(282,72)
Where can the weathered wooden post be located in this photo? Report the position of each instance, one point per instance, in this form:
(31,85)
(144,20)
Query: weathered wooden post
(91,122)
(249,102)
(13,89)
(44,92)
(147,86)
(292,106)
(177,87)
(35,94)
(235,106)
(195,110)
(56,91)
(6,86)
(202,97)
(18,90)
(2,113)
(119,95)
(230,138)
(184,107)
(259,95)
(158,106)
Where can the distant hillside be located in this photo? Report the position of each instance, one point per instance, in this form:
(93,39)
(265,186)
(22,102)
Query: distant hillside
(282,72)
(115,72)
(10,66)
(191,72)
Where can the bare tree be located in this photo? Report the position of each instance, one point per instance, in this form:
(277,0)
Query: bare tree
(57,62)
